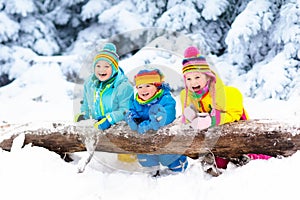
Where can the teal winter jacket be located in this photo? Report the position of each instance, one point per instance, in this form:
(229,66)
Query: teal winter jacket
(108,99)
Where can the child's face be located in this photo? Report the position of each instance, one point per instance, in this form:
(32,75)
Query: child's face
(196,81)
(146,91)
(103,70)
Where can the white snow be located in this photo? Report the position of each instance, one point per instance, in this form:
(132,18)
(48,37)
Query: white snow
(35,172)
(42,94)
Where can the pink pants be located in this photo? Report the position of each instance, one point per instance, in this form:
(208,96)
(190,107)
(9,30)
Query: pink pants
(258,156)
(223,162)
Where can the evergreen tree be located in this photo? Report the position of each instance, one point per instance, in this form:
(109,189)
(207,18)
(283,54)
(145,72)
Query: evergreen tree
(253,37)
(43,27)
(263,40)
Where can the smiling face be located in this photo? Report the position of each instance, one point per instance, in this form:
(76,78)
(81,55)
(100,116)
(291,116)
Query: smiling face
(196,81)
(103,70)
(146,91)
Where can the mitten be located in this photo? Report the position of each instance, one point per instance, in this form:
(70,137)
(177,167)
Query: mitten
(143,127)
(157,115)
(102,124)
(130,120)
(201,122)
(79,117)
(189,113)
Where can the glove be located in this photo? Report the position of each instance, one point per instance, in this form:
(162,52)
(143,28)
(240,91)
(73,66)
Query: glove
(201,122)
(79,117)
(189,113)
(157,115)
(131,121)
(102,124)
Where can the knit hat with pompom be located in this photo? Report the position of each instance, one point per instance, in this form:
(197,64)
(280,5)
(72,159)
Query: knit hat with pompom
(108,53)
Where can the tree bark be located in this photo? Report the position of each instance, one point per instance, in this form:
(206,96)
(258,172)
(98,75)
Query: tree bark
(231,140)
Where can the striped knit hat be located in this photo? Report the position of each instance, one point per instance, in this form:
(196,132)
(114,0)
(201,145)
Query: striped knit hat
(108,54)
(149,76)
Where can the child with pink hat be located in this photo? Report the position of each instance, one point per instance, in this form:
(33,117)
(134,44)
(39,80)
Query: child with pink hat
(206,101)
(206,93)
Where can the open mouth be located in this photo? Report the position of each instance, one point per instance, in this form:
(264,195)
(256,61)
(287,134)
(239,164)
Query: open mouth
(196,88)
(102,74)
(145,94)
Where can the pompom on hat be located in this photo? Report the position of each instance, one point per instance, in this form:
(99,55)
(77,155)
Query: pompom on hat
(193,60)
(149,77)
(109,54)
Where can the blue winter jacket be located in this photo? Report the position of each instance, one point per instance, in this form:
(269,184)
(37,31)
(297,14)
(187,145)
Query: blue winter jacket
(142,111)
(111,102)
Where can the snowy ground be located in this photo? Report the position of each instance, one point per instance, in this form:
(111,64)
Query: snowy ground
(36,173)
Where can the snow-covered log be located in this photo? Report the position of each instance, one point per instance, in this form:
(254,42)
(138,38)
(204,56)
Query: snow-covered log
(229,140)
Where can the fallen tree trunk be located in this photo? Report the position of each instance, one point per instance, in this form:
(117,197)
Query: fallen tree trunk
(229,140)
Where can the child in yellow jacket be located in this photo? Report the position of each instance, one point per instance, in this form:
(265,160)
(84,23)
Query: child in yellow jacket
(208,94)
(206,101)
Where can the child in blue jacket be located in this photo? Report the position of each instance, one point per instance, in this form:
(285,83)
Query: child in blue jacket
(151,108)
(107,91)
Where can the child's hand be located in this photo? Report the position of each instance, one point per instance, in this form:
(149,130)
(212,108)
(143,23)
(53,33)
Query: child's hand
(158,115)
(189,113)
(201,122)
(102,124)
(131,121)
(143,127)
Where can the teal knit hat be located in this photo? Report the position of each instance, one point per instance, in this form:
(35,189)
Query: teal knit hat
(108,54)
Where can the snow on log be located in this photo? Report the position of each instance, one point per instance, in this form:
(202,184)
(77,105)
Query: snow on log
(268,137)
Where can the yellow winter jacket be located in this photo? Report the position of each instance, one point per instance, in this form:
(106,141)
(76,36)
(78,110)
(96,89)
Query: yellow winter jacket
(229,101)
